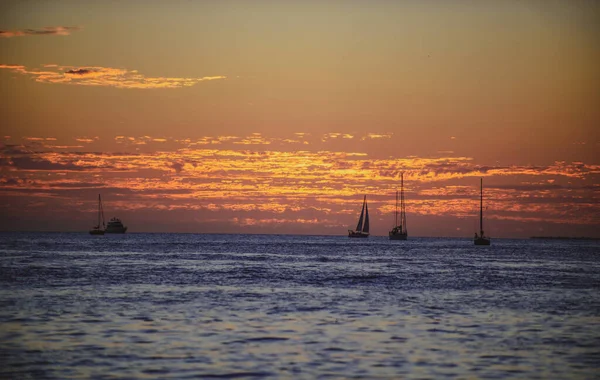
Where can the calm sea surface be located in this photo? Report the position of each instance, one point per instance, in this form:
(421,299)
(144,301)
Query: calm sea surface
(299,307)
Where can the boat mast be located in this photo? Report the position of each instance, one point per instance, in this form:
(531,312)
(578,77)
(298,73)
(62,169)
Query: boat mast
(100,211)
(366,226)
(402,205)
(481,208)
(98,224)
(396,219)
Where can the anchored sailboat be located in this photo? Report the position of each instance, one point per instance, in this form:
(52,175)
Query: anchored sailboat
(481,239)
(399,231)
(96,230)
(362,228)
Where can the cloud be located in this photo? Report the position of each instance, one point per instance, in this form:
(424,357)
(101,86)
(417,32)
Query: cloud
(252,139)
(63,146)
(104,76)
(40,138)
(47,31)
(20,158)
(284,187)
(177,166)
(255,139)
(374,136)
(529,187)
(29,163)
(79,72)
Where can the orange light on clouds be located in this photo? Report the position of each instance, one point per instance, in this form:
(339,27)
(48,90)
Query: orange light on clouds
(325,184)
(193,126)
(104,76)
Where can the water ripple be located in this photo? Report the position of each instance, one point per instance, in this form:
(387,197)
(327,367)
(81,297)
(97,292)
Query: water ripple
(250,306)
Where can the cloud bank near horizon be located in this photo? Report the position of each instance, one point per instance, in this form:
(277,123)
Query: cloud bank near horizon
(269,187)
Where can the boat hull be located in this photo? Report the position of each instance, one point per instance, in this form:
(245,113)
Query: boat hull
(116,230)
(357,234)
(398,236)
(96,232)
(482,241)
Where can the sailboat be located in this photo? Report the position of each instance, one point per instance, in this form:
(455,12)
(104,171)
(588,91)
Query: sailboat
(481,239)
(96,230)
(399,231)
(362,228)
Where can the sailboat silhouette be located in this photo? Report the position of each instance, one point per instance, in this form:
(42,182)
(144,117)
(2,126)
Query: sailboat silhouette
(399,231)
(362,228)
(481,239)
(96,230)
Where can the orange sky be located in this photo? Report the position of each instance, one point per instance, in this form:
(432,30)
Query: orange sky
(276,117)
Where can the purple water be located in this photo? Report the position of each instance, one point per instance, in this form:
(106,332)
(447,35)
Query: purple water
(272,306)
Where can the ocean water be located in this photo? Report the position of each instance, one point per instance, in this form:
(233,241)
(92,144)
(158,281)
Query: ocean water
(179,306)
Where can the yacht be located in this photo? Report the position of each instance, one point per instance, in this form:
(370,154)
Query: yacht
(115,226)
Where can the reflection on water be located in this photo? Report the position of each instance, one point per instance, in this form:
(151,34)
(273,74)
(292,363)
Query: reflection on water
(190,306)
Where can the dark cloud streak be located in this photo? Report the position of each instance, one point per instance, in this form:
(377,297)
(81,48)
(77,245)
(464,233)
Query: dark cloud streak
(78,71)
(46,31)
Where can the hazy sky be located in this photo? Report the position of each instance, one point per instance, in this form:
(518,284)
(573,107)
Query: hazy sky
(277,116)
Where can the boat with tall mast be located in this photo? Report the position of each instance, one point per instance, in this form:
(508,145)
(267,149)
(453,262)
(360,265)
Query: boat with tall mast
(481,239)
(96,230)
(362,228)
(399,231)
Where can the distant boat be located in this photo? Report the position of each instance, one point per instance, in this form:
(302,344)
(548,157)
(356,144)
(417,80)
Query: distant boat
(399,231)
(115,226)
(96,230)
(362,228)
(481,239)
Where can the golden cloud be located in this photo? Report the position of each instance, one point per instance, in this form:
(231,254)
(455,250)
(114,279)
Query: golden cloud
(302,185)
(104,76)
(378,136)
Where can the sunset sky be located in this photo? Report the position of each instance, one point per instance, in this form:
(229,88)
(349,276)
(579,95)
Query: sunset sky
(278,116)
